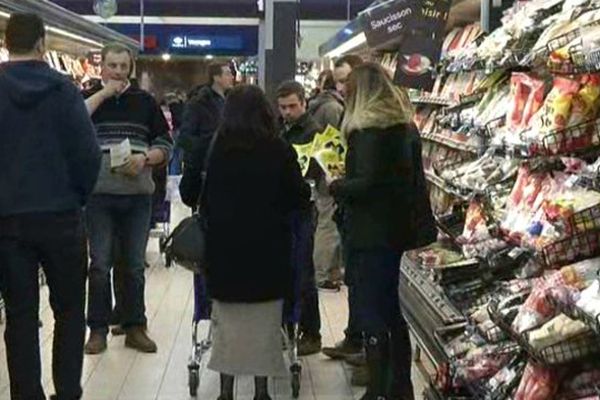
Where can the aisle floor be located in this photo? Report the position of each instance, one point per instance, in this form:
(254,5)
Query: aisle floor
(124,374)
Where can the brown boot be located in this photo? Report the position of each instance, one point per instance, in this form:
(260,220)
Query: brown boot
(137,338)
(96,343)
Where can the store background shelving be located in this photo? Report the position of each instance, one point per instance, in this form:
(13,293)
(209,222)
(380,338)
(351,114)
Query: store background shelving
(483,152)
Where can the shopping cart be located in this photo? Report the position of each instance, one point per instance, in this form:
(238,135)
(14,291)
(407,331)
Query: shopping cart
(202,311)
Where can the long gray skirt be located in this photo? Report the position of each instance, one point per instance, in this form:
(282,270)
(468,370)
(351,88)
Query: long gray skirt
(247,339)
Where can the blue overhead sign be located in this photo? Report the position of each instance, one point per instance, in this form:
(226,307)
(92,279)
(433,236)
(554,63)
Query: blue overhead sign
(196,40)
(206,42)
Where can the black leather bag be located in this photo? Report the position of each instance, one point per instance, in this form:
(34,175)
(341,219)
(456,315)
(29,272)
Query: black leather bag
(186,245)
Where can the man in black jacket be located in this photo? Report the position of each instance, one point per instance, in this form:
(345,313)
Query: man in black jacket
(298,127)
(49,160)
(201,119)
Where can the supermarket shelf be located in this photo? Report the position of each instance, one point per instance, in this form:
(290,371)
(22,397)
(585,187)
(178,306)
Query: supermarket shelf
(439,182)
(571,352)
(446,141)
(432,100)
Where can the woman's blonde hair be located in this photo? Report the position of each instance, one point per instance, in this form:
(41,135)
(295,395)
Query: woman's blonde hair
(374,101)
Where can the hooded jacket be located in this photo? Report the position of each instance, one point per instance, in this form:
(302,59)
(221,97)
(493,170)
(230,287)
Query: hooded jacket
(201,119)
(327,109)
(49,155)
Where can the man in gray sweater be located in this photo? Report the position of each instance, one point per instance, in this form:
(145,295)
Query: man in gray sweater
(121,204)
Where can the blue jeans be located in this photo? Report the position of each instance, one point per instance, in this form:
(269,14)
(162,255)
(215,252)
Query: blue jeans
(127,218)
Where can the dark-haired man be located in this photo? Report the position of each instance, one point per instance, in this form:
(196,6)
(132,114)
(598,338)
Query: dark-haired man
(343,68)
(298,127)
(49,160)
(201,118)
(121,204)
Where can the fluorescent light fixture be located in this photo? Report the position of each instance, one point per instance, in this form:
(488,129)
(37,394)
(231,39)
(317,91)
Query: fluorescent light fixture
(73,36)
(166,57)
(209,56)
(348,46)
(4,14)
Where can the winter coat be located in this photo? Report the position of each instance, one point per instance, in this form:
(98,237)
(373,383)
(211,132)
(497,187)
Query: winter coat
(327,109)
(384,192)
(49,155)
(201,119)
(250,195)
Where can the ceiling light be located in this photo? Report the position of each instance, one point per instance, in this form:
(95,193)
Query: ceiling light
(166,57)
(209,56)
(4,14)
(348,46)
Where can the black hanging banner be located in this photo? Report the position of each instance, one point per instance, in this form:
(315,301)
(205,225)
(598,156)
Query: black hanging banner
(385,24)
(420,49)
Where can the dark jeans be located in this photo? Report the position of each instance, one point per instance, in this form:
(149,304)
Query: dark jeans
(353,335)
(126,219)
(303,230)
(56,241)
(376,275)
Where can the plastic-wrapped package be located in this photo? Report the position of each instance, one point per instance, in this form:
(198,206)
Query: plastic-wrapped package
(480,363)
(537,309)
(538,383)
(585,102)
(579,386)
(557,330)
(527,96)
(556,110)
(589,300)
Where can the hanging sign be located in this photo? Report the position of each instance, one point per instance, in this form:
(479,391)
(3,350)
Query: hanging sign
(385,23)
(420,50)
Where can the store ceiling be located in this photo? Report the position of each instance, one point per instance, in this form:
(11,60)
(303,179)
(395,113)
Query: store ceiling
(309,9)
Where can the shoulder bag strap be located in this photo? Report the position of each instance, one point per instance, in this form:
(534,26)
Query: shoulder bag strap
(207,158)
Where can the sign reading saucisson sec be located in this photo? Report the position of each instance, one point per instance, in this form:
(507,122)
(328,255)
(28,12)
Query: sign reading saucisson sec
(385,23)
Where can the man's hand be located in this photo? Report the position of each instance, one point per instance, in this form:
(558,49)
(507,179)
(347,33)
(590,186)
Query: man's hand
(113,88)
(135,166)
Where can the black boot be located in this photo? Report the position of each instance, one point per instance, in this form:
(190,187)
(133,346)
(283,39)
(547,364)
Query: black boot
(378,363)
(401,363)
(226,387)
(261,388)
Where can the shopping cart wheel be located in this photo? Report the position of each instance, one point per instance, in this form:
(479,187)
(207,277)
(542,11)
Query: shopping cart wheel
(296,371)
(194,381)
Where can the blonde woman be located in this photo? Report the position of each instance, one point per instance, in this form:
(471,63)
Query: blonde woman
(388,210)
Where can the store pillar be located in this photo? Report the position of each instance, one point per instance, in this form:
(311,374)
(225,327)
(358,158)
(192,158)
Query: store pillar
(277,44)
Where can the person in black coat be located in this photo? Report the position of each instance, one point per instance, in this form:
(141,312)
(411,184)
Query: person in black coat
(299,128)
(201,118)
(253,186)
(388,212)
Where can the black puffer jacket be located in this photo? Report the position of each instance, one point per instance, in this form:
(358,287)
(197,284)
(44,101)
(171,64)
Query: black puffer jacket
(384,192)
(201,119)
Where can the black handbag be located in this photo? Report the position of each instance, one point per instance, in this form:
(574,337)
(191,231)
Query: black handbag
(186,245)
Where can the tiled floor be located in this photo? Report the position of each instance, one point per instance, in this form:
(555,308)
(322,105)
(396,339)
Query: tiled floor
(124,374)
